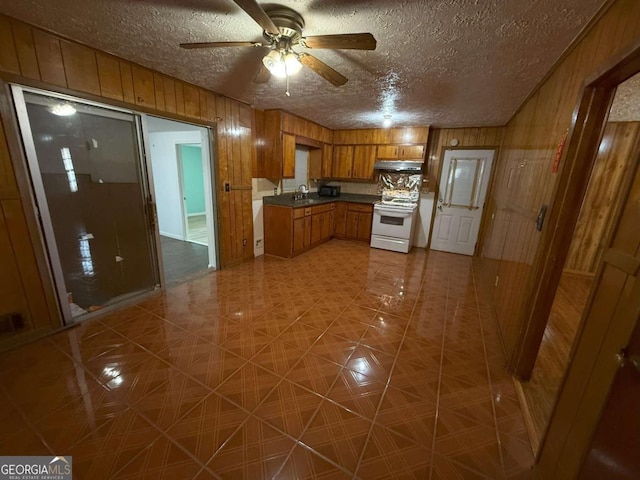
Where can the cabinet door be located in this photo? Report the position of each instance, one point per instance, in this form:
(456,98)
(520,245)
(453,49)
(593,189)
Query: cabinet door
(315,163)
(412,152)
(288,155)
(316,228)
(352,224)
(364,156)
(327,160)
(299,235)
(387,152)
(325,225)
(341,219)
(332,223)
(364,226)
(342,161)
(307,231)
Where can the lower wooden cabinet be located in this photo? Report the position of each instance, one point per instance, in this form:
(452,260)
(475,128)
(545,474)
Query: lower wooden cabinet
(353,221)
(291,231)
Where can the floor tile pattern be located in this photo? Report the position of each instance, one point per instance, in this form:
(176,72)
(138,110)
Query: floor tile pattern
(343,363)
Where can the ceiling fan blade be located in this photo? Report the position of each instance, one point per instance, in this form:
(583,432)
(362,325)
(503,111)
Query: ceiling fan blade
(263,75)
(354,41)
(220,44)
(256,12)
(324,70)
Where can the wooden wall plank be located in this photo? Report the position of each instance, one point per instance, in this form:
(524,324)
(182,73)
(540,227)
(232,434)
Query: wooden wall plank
(169,95)
(159,91)
(179,88)
(191,101)
(126,76)
(109,76)
(8,55)
(81,67)
(49,57)
(8,185)
(143,86)
(25,258)
(23,38)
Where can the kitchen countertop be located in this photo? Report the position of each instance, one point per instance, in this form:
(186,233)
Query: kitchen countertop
(286,199)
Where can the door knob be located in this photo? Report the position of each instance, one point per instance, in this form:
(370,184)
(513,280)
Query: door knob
(633,360)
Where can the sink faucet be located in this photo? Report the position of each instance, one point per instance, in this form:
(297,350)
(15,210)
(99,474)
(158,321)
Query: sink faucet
(303,190)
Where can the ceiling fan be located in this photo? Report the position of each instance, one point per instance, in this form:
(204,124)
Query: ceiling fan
(282,31)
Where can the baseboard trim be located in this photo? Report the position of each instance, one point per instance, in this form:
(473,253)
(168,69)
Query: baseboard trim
(171,235)
(528,420)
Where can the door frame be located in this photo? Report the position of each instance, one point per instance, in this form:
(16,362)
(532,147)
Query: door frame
(436,192)
(583,140)
(183,200)
(39,201)
(585,376)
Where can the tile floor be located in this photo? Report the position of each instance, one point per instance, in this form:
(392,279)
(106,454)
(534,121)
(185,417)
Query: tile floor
(345,362)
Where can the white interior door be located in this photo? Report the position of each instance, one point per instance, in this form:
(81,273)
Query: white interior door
(463,187)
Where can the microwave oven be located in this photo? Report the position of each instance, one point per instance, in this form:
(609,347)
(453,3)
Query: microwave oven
(329,191)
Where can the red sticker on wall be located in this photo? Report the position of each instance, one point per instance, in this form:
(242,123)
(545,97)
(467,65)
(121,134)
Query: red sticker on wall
(556,161)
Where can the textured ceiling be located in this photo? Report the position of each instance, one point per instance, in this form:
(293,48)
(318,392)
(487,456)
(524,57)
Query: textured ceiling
(438,62)
(626,103)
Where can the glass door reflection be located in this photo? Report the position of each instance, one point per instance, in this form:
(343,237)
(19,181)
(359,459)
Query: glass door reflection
(86,168)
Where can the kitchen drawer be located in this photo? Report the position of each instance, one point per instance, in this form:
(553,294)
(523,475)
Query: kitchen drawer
(308,211)
(360,207)
(298,212)
(322,208)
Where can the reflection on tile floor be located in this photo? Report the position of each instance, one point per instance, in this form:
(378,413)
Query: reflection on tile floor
(346,362)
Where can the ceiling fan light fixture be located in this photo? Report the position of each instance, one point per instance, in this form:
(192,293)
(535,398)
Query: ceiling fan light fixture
(282,64)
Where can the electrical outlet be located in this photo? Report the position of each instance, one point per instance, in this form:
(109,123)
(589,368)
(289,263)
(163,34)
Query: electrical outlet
(244,242)
(258,242)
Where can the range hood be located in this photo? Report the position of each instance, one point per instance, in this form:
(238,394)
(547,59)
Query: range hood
(409,166)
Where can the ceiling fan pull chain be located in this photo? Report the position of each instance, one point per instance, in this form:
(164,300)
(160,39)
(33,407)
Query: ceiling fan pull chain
(286,75)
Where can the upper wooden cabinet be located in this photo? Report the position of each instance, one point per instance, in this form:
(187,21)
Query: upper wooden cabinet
(364,156)
(278,132)
(327,160)
(342,162)
(400,152)
(288,155)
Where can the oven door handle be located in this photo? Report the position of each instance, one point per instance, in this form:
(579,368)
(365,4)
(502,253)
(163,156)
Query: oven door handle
(393,212)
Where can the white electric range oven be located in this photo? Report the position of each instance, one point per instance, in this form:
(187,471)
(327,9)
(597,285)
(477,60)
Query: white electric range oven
(393,226)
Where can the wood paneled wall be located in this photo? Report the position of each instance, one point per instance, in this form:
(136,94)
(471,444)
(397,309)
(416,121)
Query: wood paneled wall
(524,179)
(440,139)
(33,57)
(619,148)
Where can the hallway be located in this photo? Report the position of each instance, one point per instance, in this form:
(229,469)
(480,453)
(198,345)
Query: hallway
(345,362)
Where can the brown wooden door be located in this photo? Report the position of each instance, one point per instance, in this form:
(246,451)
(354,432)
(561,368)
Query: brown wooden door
(332,223)
(364,157)
(341,219)
(307,231)
(342,161)
(288,155)
(411,152)
(388,152)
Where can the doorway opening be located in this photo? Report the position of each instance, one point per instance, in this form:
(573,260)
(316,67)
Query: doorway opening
(618,150)
(181,166)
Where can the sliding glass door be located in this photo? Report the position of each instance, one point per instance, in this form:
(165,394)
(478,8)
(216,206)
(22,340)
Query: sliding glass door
(92,195)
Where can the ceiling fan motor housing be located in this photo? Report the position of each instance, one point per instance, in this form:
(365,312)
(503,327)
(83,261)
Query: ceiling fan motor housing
(289,22)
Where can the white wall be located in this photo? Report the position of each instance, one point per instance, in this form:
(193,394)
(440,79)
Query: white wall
(164,164)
